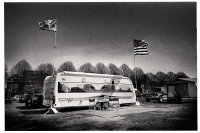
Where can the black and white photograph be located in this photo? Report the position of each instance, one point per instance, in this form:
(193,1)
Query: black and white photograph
(100,66)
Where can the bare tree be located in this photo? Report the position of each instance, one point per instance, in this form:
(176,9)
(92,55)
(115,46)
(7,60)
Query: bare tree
(181,75)
(152,76)
(125,71)
(151,79)
(139,72)
(139,77)
(20,67)
(162,77)
(87,68)
(6,74)
(101,68)
(172,76)
(145,81)
(46,68)
(67,66)
(113,69)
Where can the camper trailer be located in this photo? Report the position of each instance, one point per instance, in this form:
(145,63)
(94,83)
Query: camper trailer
(73,89)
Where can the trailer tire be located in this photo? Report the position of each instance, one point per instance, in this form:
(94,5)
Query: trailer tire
(148,100)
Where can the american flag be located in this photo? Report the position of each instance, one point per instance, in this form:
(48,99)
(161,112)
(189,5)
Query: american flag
(138,43)
(50,25)
(140,47)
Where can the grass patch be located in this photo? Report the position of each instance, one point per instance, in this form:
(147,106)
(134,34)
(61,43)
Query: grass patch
(182,119)
(178,117)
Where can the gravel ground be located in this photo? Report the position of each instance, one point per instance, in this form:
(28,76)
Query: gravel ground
(147,117)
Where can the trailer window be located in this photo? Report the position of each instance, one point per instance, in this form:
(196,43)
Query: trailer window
(63,88)
(85,87)
(125,88)
(75,87)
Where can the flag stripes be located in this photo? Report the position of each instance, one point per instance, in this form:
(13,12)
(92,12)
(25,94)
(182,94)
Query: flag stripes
(140,47)
(141,53)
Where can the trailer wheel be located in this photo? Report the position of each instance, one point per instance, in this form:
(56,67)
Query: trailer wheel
(148,100)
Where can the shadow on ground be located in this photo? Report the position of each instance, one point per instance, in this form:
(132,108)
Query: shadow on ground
(34,111)
(43,110)
(29,108)
(73,109)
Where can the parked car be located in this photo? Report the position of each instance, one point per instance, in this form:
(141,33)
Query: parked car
(8,99)
(144,94)
(23,98)
(16,98)
(156,94)
(34,97)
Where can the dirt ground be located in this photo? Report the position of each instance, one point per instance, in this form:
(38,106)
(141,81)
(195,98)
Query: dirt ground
(149,116)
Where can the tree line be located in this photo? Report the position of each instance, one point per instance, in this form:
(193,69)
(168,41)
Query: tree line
(144,80)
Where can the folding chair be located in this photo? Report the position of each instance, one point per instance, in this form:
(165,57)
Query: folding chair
(92,104)
(114,103)
(99,103)
(105,105)
(105,102)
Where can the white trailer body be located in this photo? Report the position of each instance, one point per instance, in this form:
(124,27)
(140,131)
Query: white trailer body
(69,89)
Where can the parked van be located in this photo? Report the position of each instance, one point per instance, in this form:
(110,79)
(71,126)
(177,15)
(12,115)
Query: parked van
(69,89)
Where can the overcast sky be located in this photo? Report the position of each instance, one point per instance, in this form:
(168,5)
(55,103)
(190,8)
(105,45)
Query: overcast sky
(104,32)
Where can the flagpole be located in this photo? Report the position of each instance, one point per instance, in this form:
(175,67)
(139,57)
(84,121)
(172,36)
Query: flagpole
(135,72)
(135,66)
(51,25)
(54,54)
(53,68)
(135,69)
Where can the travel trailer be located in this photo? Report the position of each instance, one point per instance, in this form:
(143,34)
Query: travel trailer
(74,89)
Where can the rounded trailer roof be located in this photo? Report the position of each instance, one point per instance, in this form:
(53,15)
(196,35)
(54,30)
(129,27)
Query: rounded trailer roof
(90,74)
